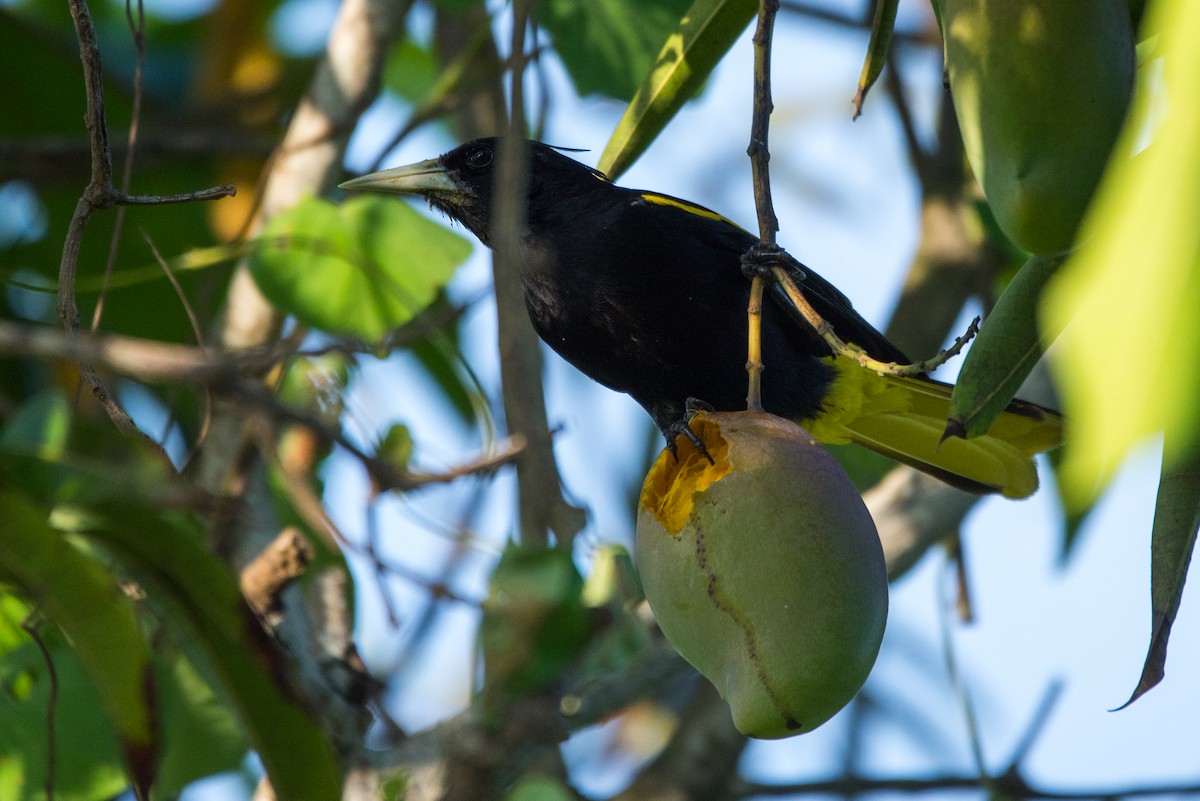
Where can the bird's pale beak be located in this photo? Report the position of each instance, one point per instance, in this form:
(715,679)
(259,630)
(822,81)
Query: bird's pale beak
(424,177)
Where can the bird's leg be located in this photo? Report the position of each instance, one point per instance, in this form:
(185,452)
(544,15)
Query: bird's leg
(682,428)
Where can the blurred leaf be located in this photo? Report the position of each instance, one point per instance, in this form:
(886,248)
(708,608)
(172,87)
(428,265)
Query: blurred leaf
(411,71)
(539,788)
(705,34)
(534,622)
(200,732)
(114,493)
(41,425)
(1128,359)
(360,268)
(464,392)
(88,761)
(1004,353)
(78,595)
(396,447)
(609,46)
(1073,519)
(12,612)
(316,384)
(877,50)
(1176,519)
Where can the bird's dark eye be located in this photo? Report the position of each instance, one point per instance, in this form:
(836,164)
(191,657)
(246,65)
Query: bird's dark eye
(479,158)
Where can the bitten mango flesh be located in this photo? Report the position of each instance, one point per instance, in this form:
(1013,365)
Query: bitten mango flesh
(1041,88)
(764,570)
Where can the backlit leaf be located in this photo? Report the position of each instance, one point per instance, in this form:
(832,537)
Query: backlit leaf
(704,36)
(1128,359)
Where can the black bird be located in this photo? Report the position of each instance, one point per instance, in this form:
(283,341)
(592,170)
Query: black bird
(645,293)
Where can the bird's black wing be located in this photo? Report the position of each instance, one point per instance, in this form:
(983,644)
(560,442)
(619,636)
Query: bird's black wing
(837,310)
(825,298)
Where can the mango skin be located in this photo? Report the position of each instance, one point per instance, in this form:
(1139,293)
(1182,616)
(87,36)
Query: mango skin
(772,583)
(1041,88)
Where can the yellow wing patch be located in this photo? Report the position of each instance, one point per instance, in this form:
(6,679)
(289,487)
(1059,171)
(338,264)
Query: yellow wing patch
(690,208)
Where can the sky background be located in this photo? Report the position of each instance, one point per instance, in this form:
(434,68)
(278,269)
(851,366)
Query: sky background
(849,209)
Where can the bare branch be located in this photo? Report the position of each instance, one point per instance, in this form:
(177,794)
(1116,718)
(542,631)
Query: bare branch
(283,561)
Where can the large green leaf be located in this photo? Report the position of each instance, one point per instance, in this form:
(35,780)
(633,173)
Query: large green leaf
(705,34)
(88,763)
(201,734)
(82,598)
(1004,353)
(608,46)
(115,492)
(360,268)
(1128,358)
(1176,519)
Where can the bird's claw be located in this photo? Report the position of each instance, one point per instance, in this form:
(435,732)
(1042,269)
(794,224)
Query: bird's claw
(758,260)
(682,428)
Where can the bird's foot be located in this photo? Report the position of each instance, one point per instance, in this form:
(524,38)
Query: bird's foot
(758,260)
(682,428)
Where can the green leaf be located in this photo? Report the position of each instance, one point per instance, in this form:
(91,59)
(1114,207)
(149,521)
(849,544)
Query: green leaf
(40,425)
(534,621)
(705,34)
(877,50)
(113,494)
(82,599)
(1176,519)
(88,763)
(174,566)
(539,788)
(201,734)
(360,268)
(396,447)
(1128,360)
(411,71)
(608,46)
(1004,353)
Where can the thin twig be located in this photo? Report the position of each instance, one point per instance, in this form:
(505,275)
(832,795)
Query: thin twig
(137,29)
(212,193)
(385,475)
(99,194)
(961,691)
(1004,787)
(768,224)
(143,359)
(30,624)
(197,333)
(855,353)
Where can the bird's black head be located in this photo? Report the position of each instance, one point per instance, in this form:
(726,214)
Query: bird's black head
(462,183)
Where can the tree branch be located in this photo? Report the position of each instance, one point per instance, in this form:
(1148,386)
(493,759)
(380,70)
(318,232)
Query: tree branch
(99,194)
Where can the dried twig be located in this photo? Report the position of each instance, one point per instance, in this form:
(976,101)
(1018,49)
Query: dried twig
(280,563)
(99,194)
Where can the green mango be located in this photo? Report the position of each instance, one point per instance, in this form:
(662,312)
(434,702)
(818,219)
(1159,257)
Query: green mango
(1041,88)
(764,570)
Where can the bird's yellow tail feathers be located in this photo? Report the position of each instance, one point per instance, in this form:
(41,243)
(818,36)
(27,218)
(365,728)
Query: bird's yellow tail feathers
(904,419)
